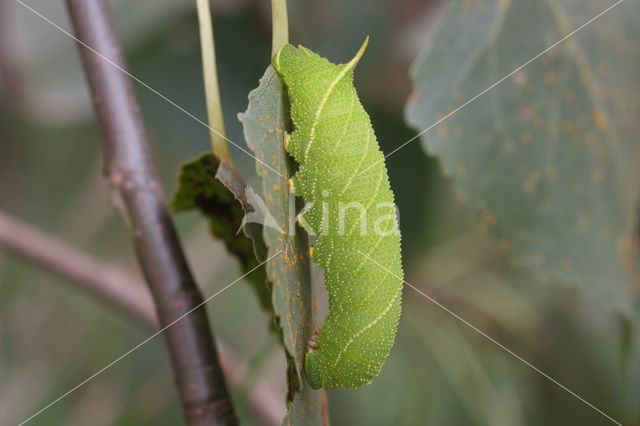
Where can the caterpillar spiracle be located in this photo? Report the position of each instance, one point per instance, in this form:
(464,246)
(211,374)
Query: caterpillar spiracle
(342,172)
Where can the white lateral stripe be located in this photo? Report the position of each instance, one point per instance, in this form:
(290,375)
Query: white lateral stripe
(325,98)
(368,326)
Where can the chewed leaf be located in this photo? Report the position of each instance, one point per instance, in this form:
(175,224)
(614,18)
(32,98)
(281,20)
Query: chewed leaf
(206,185)
(548,157)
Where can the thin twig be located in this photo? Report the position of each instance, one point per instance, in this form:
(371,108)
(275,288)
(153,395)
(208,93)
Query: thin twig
(217,131)
(280,21)
(135,184)
(121,289)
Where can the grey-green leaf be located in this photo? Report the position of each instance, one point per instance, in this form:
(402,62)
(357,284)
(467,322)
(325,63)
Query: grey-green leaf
(264,123)
(548,157)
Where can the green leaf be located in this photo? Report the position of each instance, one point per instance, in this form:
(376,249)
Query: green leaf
(217,191)
(264,122)
(548,157)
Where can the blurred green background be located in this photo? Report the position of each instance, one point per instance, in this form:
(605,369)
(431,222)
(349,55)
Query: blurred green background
(440,371)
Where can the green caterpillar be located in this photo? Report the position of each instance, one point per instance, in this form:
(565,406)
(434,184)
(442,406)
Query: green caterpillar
(351,209)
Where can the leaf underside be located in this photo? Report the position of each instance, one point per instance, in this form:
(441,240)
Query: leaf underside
(264,122)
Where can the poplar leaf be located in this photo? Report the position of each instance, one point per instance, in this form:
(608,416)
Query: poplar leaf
(264,122)
(548,157)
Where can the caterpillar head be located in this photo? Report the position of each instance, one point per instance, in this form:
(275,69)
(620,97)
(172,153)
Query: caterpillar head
(289,58)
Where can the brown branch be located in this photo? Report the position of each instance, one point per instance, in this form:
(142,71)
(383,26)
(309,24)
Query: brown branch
(134,180)
(106,281)
(121,289)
